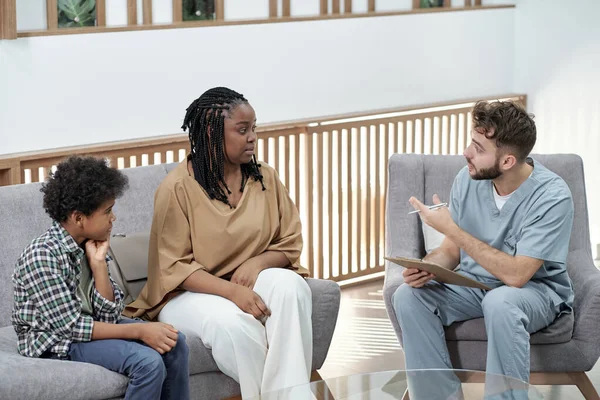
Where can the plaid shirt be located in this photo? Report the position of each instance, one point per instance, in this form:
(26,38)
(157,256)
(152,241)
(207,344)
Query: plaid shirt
(47,312)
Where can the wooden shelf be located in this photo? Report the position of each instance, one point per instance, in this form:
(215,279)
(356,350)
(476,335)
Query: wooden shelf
(192,24)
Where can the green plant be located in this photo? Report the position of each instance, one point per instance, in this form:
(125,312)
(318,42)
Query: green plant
(432,3)
(194,10)
(76,13)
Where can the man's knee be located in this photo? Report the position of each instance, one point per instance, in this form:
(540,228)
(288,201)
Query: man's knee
(403,297)
(501,305)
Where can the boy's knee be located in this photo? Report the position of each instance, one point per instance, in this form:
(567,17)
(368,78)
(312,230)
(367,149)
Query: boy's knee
(150,364)
(181,347)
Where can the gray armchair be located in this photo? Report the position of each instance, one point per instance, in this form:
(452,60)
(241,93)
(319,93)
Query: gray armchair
(561,353)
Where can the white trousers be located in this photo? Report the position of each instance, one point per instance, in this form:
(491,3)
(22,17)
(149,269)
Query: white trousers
(261,358)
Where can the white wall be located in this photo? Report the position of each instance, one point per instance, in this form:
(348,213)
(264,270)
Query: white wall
(557,64)
(81,89)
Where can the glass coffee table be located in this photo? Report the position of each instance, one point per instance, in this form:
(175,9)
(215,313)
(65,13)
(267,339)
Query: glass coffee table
(412,384)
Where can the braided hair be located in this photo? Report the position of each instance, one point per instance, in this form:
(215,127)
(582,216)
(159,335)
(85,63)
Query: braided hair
(207,113)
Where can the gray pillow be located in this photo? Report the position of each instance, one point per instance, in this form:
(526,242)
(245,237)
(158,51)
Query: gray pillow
(129,267)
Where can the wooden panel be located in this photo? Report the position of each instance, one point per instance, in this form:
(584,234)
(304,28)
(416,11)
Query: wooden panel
(287,161)
(335,6)
(416,4)
(477,2)
(8,19)
(340,204)
(272,8)
(371,6)
(368,238)
(330,229)
(467,3)
(319,183)
(349,197)
(378,213)
(52,14)
(359,203)
(323,7)
(446,3)
(220,10)
(177,10)
(286,8)
(308,146)
(297,169)
(132,12)
(347,6)
(147,12)
(100,12)
(275,159)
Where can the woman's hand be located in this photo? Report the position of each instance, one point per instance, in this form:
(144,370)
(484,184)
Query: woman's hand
(246,274)
(249,302)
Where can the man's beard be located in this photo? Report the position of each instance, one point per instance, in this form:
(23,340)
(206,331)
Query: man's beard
(487,173)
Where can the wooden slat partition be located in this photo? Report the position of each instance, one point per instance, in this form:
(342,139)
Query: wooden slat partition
(347,6)
(371,6)
(177,11)
(178,23)
(272,8)
(52,14)
(323,7)
(147,12)
(101,13)
(335,169)
(8,19)
(132,12)
(220,10)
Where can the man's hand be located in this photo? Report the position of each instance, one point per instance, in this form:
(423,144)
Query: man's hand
(439,218)
(416,278)
(249,302)
(161,337)
(246,274)
(95,252)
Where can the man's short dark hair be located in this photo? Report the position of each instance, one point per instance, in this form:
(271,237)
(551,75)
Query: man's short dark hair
(508,124)
(81,184)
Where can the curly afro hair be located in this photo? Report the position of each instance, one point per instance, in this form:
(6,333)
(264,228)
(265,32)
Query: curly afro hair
(81,184)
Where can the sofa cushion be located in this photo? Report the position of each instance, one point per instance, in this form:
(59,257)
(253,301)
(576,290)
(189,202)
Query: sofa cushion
(34,378)
(560,331)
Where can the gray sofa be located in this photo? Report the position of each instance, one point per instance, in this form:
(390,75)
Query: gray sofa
(22,218)
(560,353)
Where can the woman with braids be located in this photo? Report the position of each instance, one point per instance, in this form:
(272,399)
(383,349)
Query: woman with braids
(224,250)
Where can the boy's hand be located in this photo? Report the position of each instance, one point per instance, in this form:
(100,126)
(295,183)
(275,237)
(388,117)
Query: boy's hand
(416,278)
(160,336)
(96,251)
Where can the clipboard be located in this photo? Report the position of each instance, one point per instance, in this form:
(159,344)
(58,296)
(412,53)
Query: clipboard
(442,274)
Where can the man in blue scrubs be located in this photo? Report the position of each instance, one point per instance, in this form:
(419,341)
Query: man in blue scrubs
(508,225)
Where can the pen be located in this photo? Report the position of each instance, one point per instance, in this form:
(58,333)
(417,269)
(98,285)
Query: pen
(433,207)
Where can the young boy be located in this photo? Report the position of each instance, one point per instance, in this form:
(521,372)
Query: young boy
(66,304)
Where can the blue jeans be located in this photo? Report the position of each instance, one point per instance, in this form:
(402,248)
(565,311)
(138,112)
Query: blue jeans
(151,375)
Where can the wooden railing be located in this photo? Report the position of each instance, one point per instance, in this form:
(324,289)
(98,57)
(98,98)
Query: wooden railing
(279,11)
(335,169)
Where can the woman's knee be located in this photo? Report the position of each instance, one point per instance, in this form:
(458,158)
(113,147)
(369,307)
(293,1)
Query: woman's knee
(288,283)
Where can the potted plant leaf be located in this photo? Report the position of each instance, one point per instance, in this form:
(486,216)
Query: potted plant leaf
(74,13)
(194,10)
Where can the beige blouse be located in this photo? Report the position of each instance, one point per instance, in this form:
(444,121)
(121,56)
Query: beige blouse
(191,232)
